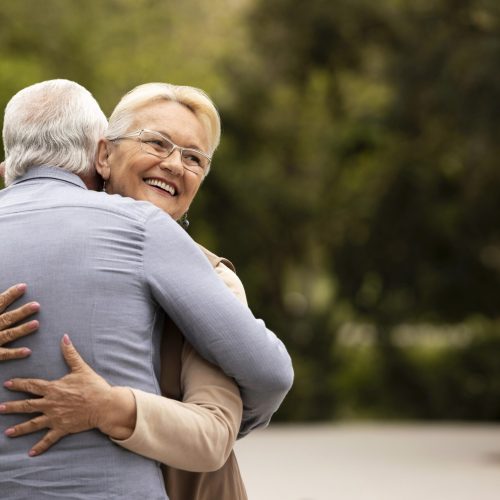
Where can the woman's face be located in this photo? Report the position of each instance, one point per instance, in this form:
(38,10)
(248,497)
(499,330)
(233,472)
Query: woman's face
(129,171)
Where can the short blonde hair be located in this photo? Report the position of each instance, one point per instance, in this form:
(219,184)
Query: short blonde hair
(194,99)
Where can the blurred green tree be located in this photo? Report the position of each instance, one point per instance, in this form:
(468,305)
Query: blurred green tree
(365,140)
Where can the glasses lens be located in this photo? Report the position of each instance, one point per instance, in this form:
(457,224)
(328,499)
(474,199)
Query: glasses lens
(155,144)
(193,160)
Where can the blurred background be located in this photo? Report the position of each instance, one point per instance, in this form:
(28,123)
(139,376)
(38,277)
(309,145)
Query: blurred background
(356,188)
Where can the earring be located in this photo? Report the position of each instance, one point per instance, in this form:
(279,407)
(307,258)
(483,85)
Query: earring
(183,221)
(104,186)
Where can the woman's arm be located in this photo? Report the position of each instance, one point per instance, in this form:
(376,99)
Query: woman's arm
(8,332)
(197,434)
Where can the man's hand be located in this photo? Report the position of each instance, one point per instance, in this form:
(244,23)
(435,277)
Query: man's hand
(8,332)
(79,401)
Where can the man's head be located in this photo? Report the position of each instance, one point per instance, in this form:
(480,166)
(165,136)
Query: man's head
(53,123)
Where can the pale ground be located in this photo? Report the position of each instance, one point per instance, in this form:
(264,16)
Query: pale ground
(372,462)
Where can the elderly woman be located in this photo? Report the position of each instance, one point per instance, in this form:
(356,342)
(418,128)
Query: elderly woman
(158,148)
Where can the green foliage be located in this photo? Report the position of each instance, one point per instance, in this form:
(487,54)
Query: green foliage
(368,148)
(426,376)
(356,182)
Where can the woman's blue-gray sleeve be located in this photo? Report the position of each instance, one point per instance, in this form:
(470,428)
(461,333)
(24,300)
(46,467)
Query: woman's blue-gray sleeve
(213,320)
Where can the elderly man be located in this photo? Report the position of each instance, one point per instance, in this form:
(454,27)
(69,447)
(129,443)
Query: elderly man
(101,265)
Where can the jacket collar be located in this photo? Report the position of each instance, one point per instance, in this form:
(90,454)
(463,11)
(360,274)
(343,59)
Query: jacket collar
(54,173)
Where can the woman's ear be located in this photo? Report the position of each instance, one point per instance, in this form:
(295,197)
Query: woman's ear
(102,164)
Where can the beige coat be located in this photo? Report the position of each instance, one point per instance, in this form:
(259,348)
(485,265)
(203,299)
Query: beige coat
(198,433)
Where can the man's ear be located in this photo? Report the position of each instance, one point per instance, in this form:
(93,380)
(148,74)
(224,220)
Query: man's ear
(102,163)
(2,170)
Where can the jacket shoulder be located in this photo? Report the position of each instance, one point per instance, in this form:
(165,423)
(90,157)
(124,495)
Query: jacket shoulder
(216,260)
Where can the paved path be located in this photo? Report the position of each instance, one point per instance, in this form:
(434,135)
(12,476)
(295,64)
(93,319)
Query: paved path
(372,462)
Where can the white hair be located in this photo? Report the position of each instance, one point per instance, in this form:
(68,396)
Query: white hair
(54,123)
(194,99)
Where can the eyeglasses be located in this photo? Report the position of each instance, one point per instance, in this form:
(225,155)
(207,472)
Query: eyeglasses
(158,145)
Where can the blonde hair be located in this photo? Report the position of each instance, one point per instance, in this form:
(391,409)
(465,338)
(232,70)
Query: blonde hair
(194,99)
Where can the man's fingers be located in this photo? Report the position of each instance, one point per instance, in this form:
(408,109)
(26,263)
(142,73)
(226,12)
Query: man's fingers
(18,353)
(50,439)
(32,385)
(33,425)
(10,295)
(71,355)
(19,331)
(10,318)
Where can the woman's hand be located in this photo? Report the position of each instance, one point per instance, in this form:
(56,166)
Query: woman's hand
(79,401)
(7,319)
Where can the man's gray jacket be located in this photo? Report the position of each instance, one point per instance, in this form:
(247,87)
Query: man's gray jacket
(104,268)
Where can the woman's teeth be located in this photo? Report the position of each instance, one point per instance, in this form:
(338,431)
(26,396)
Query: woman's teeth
(162,185)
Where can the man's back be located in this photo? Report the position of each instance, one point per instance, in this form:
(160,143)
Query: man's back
(81,253)
(101,266)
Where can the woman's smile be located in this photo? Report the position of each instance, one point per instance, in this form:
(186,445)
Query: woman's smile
(162,186)
(165,182)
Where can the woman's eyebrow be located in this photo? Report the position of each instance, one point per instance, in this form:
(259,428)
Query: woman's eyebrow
(168,136)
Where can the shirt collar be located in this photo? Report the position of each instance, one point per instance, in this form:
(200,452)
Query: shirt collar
(55,173)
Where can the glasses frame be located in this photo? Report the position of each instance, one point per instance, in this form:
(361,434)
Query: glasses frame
(175,147)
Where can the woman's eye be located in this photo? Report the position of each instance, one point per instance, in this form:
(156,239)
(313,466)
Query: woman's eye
(156,142)
(192,159)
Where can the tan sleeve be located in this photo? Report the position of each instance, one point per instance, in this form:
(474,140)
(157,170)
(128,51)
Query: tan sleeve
(232,281)
(198,433)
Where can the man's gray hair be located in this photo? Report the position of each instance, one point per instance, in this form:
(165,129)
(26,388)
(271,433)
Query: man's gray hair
(54,123)
(196,100)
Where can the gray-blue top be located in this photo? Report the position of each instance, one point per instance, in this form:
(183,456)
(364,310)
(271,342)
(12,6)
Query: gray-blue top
(104,268)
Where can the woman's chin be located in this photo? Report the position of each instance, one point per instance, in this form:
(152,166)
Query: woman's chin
(166,203)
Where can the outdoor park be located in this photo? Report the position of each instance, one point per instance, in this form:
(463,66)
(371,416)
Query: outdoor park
(356,190)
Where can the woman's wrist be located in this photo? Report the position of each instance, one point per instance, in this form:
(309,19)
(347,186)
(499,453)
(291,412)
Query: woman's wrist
(119,413)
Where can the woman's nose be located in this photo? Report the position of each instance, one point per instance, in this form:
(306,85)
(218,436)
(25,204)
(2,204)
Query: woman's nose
(173,163)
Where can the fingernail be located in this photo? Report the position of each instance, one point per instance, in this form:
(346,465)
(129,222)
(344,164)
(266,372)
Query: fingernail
(10,431)
(22,287)
(3,407)
(34,306)
(32,453)
(26,352)
(66,339)
(8,383)
(34,324)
